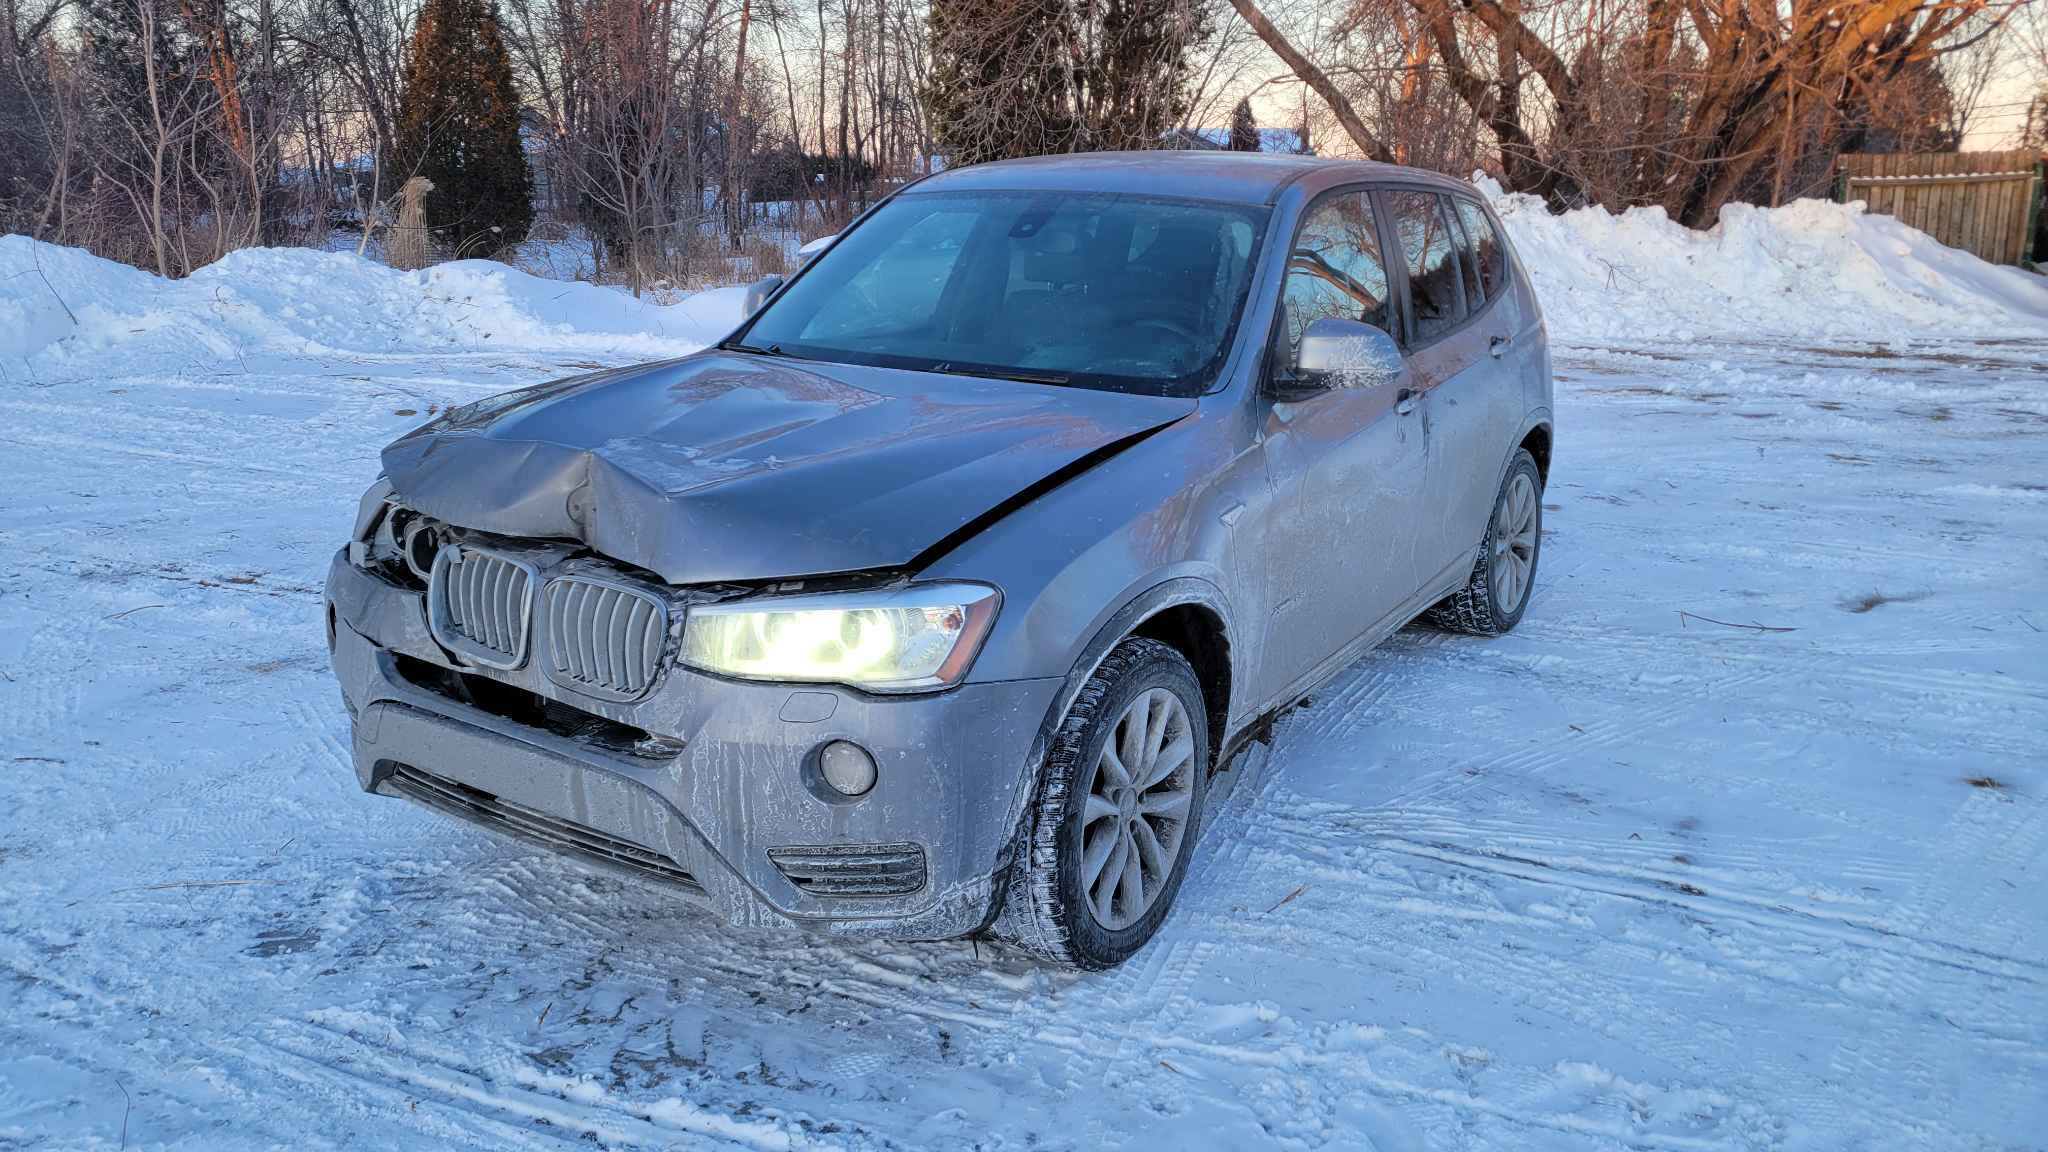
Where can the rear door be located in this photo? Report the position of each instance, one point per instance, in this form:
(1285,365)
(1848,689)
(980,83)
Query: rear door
(1458,337)
(1347,463)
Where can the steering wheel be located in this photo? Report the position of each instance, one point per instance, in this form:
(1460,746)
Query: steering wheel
(1186,334)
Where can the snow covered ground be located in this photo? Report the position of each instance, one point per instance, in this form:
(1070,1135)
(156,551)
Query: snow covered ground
(1627,878)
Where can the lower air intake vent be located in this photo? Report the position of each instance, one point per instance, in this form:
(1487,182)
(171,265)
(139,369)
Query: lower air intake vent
(502,815)
(853,869)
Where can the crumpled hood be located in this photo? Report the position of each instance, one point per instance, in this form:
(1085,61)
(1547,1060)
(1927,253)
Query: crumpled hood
(727,467)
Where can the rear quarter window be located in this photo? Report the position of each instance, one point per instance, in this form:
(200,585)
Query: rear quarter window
(1430,246)
(1486,246)
(1468,258)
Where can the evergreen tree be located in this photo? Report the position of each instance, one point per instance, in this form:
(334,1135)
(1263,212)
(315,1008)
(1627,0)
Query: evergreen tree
(1029,77)
(1244,131)
(1133,85)
(995,81)
(458,126)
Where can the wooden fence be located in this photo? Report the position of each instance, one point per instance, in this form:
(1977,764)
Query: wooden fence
(1981,202)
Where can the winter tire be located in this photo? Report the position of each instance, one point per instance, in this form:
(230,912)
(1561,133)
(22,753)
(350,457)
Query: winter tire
(1117,811)
(1492,601)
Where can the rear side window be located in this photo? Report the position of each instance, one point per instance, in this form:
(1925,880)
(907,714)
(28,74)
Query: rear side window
(1430,247)
(1468,258)
(1485,245)
(1336,269)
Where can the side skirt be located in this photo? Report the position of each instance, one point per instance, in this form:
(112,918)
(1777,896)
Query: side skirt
(1260,727)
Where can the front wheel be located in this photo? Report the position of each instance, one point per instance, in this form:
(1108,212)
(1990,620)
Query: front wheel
(1117,810)
(1492,600)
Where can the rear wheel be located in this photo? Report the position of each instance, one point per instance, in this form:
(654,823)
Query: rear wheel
(1116,815)
(1492,600)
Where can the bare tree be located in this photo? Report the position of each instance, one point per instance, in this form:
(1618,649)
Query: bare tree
(31,151)
(733,186)
(1682,103)
(626,169)
(1316,79)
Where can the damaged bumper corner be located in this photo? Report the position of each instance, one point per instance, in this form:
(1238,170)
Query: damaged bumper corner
(702,786)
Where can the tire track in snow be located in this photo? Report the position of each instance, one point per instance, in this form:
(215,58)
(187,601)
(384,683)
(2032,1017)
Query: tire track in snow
(1393,936)
(1648,888)
(1614,658)
(1547,857)
(453,1104)
(1989,834)
(1749,854)
(1426,952)
(1312,831)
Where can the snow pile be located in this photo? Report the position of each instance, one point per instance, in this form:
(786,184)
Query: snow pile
(1810,269)
(65,308)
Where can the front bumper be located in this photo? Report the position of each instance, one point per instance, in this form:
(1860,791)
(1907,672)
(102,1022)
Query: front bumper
(953,770)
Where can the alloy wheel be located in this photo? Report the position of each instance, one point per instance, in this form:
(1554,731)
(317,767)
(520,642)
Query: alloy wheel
(1514,544)
(1139,794)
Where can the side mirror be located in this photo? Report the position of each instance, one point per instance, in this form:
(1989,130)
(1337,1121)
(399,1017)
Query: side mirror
(1339,353)
(810,251)
(758,293)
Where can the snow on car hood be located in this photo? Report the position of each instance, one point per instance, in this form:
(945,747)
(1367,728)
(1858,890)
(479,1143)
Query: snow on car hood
(727,467)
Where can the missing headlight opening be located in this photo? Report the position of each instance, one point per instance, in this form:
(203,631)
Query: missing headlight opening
(420,544)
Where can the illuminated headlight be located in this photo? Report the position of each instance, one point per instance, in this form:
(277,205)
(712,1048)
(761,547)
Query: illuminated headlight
(908,639)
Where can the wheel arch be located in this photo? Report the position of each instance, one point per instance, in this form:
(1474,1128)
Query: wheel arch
(1197,631)
(1187,613)
(1536,439)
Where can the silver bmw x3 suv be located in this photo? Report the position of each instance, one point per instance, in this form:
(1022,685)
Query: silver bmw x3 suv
(926,603)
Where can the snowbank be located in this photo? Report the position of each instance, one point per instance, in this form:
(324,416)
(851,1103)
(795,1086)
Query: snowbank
(1811,269)
(63,307)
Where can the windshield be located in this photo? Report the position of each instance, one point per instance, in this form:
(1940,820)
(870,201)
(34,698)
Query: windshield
(1098,291)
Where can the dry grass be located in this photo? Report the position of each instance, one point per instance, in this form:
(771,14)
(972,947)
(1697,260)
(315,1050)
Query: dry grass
(769,257)
(698,259)
(810,227)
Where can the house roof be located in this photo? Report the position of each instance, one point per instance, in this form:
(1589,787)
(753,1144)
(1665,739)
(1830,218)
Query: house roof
(1282,140)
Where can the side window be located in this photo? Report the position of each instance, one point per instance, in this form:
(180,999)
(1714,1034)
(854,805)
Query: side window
(1486,244)
(1436,293)
(1335,269)
(1468,257)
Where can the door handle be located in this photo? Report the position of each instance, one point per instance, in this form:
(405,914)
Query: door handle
(1404,401)
(1498,346)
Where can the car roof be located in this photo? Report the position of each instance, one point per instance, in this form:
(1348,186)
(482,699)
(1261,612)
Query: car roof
(1239,177)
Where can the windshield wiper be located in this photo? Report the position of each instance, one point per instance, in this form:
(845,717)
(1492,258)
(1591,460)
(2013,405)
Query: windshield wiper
(1021,375)
(736,346)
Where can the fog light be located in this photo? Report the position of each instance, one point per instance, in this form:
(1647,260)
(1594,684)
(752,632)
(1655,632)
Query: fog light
(847,768)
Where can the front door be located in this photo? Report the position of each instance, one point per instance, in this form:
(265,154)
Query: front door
(1347,462)
(1470,397)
